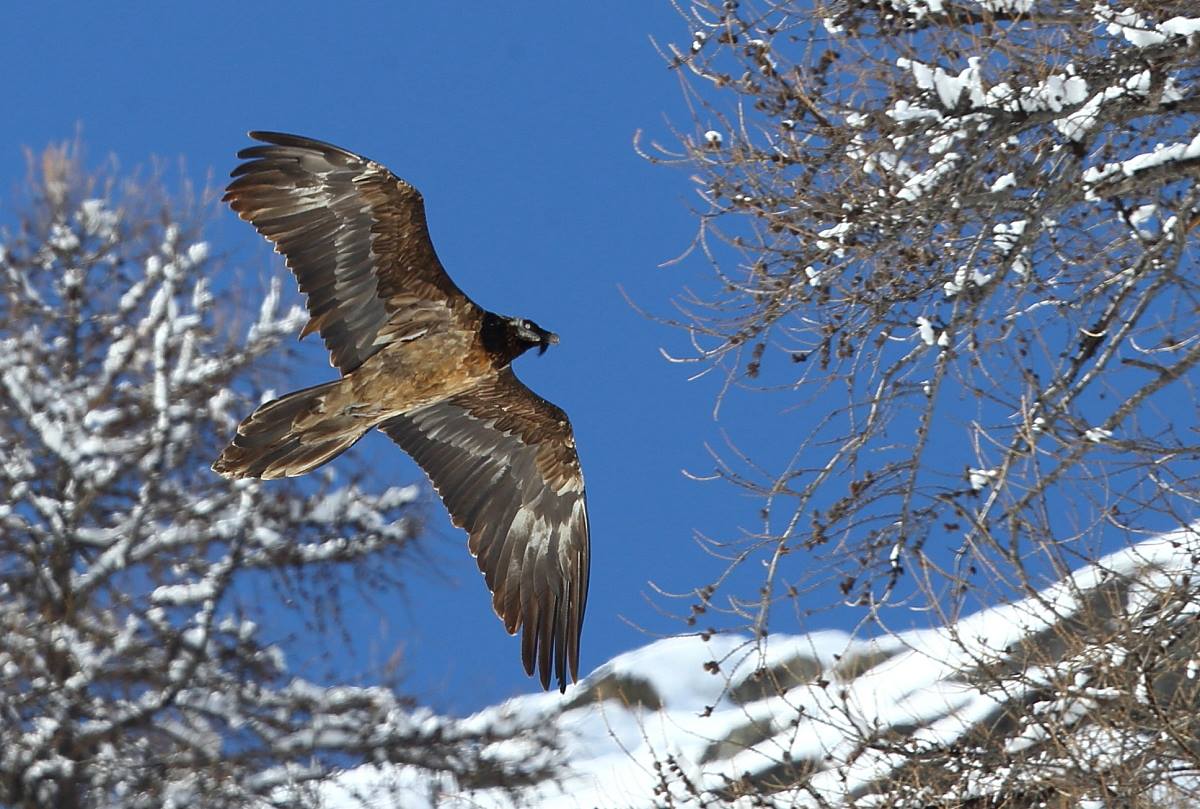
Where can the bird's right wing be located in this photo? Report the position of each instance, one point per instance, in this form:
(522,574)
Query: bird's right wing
(355,236)
(504,462)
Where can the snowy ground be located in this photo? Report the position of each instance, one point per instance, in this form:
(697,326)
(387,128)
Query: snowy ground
(696,703)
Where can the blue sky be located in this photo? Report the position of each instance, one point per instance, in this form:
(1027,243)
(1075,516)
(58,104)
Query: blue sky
(516,121)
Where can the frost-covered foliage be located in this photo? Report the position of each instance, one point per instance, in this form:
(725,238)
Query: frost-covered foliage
(961,234)
(130,674)
(955,243)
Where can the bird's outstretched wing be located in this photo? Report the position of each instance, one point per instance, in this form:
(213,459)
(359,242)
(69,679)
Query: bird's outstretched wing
(356,238)
(503,460)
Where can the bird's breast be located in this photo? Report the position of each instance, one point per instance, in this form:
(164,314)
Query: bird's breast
(414,373)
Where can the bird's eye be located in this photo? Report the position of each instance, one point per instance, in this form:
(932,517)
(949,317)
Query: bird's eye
(528,324)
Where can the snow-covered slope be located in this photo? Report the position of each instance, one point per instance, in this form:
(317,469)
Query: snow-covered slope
(1013,701)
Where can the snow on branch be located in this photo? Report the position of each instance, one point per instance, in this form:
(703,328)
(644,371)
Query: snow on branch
(960,235)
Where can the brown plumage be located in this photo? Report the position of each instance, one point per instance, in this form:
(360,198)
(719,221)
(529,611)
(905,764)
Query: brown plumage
(421,361)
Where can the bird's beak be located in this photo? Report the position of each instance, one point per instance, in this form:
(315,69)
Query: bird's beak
(550,339)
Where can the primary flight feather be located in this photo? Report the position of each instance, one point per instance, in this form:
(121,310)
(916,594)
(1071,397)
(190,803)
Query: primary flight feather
(429,367)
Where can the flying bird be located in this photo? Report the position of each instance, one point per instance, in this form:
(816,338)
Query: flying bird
(430,368)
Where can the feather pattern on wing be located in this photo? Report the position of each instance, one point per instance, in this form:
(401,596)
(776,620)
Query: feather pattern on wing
(504,462)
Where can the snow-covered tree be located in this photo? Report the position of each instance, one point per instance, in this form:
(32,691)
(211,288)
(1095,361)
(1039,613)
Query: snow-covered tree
(131,672)
(961,234)
(955,241)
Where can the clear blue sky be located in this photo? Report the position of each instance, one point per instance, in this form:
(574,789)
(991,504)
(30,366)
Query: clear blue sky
(516,121)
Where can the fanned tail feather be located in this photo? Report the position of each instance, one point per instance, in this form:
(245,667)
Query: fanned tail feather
(289,436)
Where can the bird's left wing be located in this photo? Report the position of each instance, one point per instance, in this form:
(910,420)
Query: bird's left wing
(504,462)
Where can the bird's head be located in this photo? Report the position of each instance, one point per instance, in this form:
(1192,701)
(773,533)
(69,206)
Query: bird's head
(531,335)
(507,338)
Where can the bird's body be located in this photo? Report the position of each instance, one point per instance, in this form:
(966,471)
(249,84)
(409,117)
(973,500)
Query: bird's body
(429,367)
(402,377)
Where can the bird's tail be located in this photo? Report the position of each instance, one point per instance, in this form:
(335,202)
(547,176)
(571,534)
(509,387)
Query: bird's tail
(291,435)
